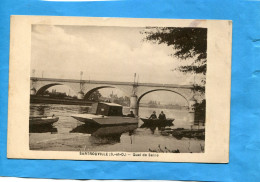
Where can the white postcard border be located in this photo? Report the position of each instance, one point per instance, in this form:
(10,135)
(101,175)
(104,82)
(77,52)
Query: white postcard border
(217,89)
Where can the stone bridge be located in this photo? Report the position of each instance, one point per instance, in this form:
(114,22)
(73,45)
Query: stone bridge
(136,91)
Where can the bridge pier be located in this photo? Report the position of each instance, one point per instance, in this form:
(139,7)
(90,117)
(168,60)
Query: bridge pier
(137,90)
(134,105)
(80,95)
(192,103)
(33,91)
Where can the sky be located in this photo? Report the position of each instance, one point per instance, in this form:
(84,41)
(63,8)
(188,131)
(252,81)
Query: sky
(102,53)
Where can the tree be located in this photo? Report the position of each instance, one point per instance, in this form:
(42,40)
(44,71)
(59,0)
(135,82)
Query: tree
(95,96)
(186,43)
(200,111)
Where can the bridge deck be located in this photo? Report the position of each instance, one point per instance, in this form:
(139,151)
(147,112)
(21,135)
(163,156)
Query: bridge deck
(112,82)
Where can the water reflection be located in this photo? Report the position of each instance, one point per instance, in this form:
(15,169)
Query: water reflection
(42,129)
(72,135)
(83,110)
(39,110)
(161,126)
(105,134)
(198,123)
(145,125)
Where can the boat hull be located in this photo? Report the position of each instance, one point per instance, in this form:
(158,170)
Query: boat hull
(104,120)
(157,121)
(102,131)
(43,120)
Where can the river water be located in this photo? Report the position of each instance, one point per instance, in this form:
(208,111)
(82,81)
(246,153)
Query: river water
(68,134)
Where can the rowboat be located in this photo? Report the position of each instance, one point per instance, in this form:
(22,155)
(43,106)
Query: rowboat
(104,114)
(43,120)
(157,121)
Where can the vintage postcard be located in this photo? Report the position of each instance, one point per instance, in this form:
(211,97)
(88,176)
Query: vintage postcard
(121,89)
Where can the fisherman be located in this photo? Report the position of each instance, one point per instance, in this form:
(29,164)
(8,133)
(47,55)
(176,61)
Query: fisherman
(153,116)
(162,116)
(131,114)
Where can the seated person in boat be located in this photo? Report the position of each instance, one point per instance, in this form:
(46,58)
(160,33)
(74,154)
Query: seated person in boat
(153,116)
(131,114)
(162,116)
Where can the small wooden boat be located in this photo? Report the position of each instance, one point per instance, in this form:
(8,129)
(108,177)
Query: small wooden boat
(43,120)
(104,114)
(157,121)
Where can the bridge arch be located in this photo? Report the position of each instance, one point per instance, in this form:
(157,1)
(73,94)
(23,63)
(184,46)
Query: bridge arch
(135,101)
(42,89)
(88,90)
(88,94)
(168,90)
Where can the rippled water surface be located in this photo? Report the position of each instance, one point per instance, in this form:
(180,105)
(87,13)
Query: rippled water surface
(68,134)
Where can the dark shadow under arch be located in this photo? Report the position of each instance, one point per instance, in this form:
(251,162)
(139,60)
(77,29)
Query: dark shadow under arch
(139,99)
(45,87)
(88,94)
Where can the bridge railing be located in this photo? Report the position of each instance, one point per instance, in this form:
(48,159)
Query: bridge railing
(112,82)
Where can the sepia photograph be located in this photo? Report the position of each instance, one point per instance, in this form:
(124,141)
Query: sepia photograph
(118,90)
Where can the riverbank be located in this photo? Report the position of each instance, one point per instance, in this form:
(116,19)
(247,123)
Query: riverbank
(180,133)
(45,100)
(60,138)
